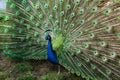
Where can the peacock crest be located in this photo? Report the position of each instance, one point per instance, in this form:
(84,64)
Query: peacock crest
(85,34)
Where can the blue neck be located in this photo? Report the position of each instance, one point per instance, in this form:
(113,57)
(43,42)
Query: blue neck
(52,56)
(50,45)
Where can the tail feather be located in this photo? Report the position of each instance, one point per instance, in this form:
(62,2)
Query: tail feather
(91,47)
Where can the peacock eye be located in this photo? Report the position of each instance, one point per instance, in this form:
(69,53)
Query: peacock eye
(32,17)
(6,30)
(55,8)
(91,35)
(113,54)
(77,2)
(94,23)
(51,16)
(72,25)
(22,21)
(6,18)
(37,6)
(38,40)
(108,28)
(12,5)
(24,1)
(14,35)
(65,22)
(20,30)
(81,11)
(40,16)
(108,72)
(95,53)
(56,22)
(46,6)
(17,13)
(61,1)
(28,9)
(82,22)
(68,7)
(104,58)
(72,15)
(62,13)
(46,25)
(107,11)
(14,26)
(94,9)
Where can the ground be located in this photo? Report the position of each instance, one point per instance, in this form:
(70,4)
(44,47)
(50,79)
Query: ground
(32,70)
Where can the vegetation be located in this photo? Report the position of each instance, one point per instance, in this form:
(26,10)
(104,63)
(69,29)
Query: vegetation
(3,75)
(62,76)
(28,76)
(22,67)
(32,70)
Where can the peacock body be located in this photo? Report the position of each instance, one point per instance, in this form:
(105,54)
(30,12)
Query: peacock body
(52,55)
(85,36)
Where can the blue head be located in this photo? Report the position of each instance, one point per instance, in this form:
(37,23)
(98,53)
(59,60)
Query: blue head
(48,37)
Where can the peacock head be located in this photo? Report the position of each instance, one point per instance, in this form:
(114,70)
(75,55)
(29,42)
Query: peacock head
(48,37)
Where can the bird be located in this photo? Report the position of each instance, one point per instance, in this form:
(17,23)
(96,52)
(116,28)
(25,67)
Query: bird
(83,36)
(52,55)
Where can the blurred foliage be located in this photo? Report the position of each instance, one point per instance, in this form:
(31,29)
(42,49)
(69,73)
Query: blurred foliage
(28,76)
(22,67)
(9,79)
(62,76)
(116,1)
(1,69)
(52,76)
(3,75)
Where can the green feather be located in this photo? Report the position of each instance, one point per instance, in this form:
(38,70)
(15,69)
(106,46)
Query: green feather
(58,43)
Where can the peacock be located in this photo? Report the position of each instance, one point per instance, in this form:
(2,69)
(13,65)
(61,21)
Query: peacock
(81,35)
